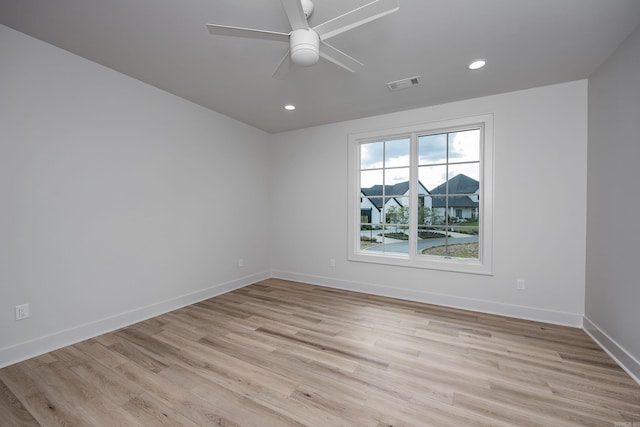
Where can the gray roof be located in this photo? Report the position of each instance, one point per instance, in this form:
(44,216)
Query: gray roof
(374,194)
(459,184)
(454,202)
(389,190)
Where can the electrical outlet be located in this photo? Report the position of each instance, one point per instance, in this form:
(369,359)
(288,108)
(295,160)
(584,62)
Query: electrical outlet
(22,311)
(520,284)
(332,262)
(240,262)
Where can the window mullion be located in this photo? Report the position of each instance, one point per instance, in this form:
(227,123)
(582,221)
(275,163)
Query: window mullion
(446,198)
(413,195)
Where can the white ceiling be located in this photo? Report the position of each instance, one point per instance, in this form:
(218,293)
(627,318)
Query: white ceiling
(165,43)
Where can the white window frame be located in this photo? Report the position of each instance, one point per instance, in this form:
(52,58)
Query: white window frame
(483,265)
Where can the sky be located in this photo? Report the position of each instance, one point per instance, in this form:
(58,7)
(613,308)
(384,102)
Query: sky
(464,146)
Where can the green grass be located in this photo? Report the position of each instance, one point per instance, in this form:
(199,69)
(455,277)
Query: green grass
(461,250)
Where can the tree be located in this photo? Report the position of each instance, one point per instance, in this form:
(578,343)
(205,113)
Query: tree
(397,215)
(426,216)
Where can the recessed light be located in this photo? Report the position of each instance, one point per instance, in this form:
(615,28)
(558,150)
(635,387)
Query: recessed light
(477,64)
(289,107)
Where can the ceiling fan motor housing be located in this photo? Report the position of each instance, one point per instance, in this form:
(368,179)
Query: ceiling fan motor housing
(305,45)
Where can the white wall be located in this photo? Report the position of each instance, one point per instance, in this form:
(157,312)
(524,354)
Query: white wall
(540,155)
(613,215)
(118,201)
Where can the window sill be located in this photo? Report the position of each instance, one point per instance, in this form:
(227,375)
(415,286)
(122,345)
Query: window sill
(454,265)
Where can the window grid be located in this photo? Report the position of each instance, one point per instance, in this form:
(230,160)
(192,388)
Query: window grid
(385,197)
(447,195)
(480,225)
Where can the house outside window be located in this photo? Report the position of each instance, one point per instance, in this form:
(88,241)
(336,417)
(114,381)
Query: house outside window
(427,192)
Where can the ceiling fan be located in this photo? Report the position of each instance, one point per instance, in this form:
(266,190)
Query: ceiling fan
(307,44)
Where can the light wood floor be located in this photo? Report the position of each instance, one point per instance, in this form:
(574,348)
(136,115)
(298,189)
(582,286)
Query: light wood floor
(281,353)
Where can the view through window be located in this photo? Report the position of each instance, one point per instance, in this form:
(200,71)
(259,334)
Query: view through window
(421,195)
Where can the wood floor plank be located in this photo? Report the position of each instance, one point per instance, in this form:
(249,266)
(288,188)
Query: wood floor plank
(13,411)
(38,397)
(281,353)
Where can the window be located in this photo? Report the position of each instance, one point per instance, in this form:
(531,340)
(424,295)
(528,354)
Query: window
(421,196)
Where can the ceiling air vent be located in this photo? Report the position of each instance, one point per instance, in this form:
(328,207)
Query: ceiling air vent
(404,83)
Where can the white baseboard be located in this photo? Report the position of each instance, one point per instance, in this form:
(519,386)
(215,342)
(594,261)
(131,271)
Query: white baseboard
(491,307)
(27,349)
(622,357)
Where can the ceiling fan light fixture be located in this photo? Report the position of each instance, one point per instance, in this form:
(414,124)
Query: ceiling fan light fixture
(305,47)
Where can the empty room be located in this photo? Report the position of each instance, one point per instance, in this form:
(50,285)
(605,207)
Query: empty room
(319,213)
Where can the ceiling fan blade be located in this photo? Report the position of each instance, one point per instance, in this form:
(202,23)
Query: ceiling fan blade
(339,58)
(284,67)
(367,13)
(225,30)
(295,14)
